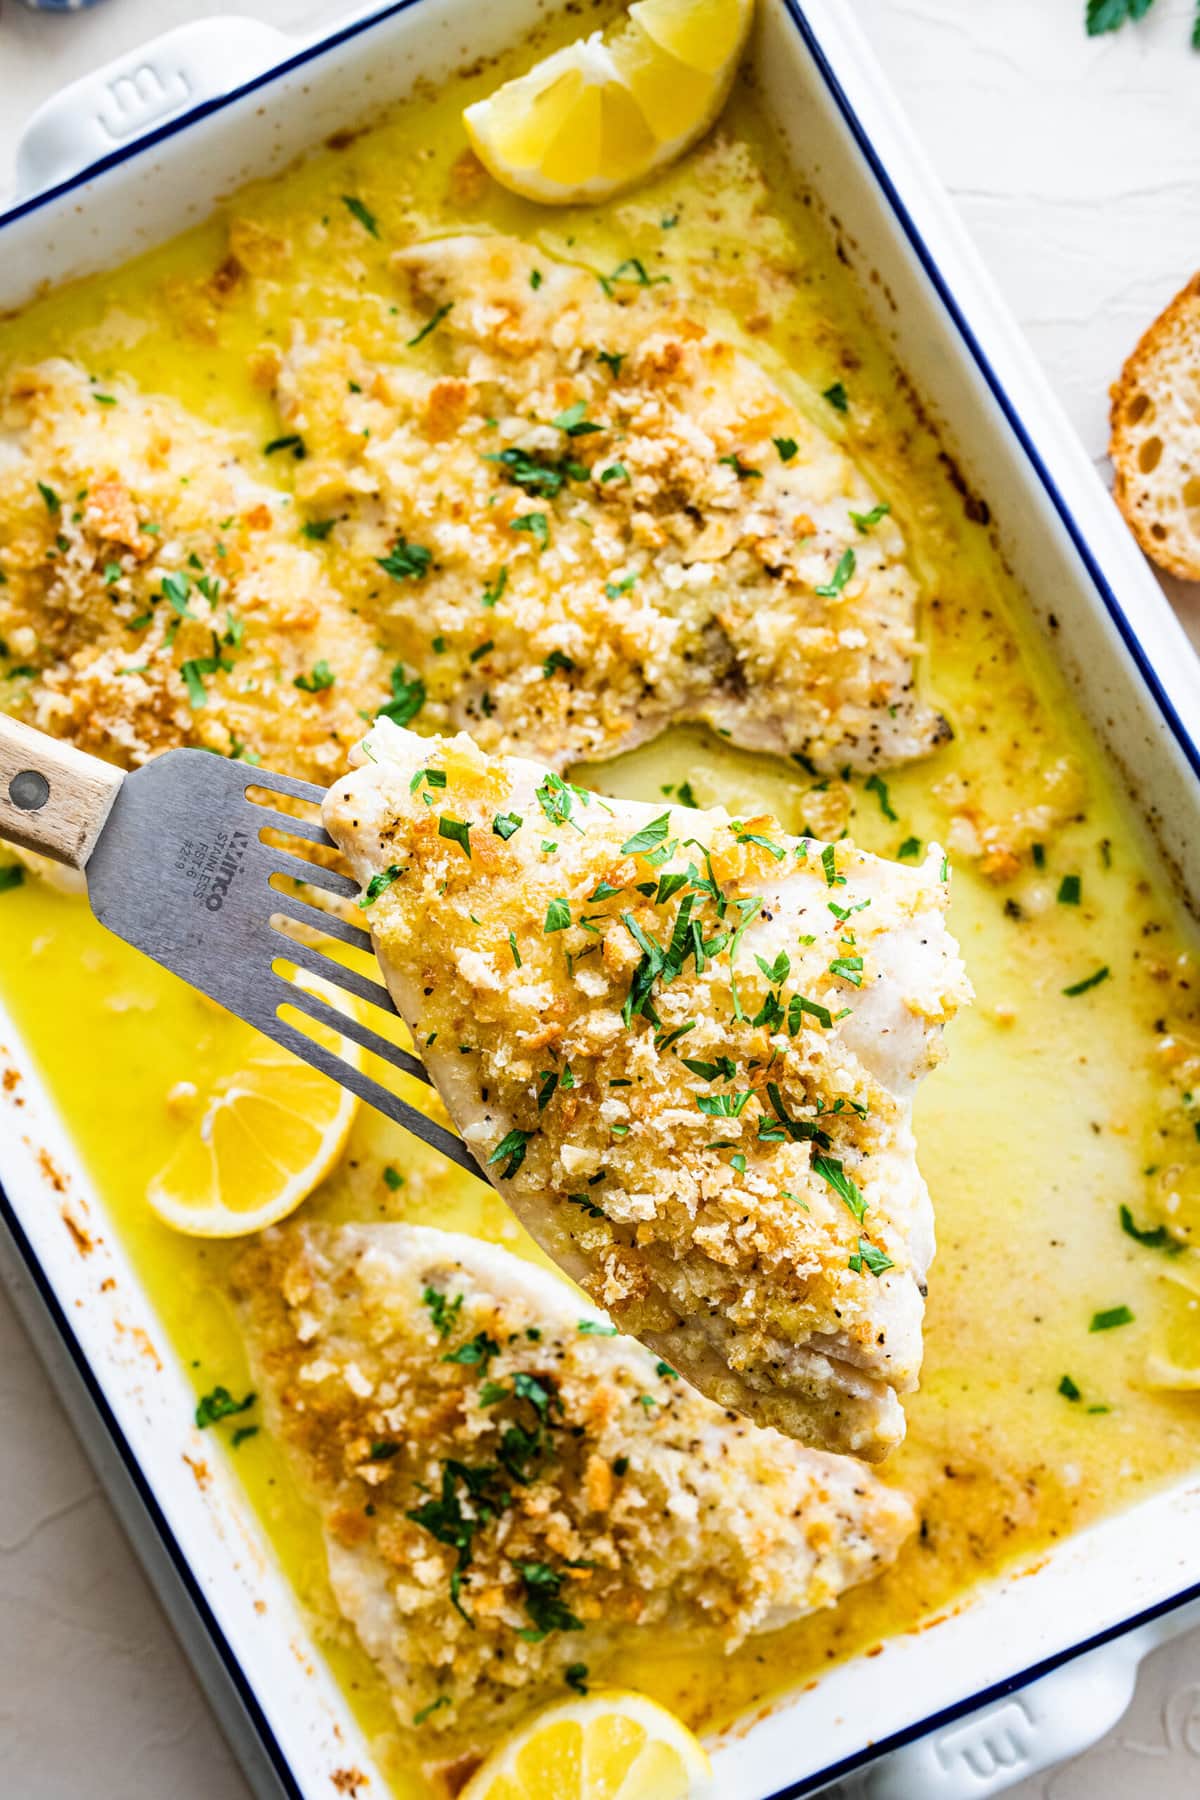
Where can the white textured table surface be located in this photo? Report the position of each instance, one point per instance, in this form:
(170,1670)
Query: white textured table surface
(1077,166)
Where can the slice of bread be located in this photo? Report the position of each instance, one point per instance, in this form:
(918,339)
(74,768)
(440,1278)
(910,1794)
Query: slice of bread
(1155,442)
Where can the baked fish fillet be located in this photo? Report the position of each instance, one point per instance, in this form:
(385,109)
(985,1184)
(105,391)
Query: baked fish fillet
(156,589)
(684,1048)
(583,512)
(507,1488)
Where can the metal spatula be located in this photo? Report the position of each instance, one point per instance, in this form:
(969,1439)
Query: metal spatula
(177,863)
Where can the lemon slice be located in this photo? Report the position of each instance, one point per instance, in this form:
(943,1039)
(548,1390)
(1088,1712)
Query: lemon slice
(606,111)
(610,1746)
(266,1136)
(1174,1361)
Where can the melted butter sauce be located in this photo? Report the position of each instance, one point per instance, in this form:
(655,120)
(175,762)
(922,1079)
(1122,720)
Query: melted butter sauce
(1051,1109)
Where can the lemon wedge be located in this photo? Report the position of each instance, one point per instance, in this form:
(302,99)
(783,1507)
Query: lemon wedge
(608,110)
(610,1745)
(264,1138)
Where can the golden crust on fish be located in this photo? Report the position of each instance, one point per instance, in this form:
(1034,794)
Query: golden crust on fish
(506,1488)
(684,1048)
(601,515)
(157,592)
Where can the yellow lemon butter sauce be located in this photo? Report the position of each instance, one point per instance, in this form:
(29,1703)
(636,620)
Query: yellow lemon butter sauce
(1056,1109)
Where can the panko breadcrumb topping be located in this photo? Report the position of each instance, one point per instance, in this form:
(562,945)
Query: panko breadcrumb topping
(595,514)
(684,1047)
(506,1486)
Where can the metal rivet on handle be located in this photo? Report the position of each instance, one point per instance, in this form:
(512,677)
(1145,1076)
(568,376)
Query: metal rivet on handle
(29,790)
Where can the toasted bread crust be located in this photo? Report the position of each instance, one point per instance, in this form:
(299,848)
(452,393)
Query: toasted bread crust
(1155,437)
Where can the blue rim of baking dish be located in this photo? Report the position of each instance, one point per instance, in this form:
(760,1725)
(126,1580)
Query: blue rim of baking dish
(808,1784)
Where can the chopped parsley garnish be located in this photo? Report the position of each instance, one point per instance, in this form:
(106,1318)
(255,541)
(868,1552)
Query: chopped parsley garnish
(481,650)
(431,324)
(1070,889)
(614,589)
(536,524)
(292,442)
(798,1006)
(535,280)
(869,1258)
(322,676)
(52,502)
(317,529)
(510,1151)
(243,1431)
(112,572)
(742,470)
(542,1603)
(477,1351)
(615,472)
(558,915)
(849,968)
(408,697)
(1069,1390)
(612,360)
(864,521)
(647,837)
(764,843)
(1038,852)
(1110,1318)
(574,421)
(512,944)
(176,586)
(586,1205)
(530,473)
(557,659)
(547,1089)
(596,1328)
(392,1177)
(724,1106)
(505,824)
(443,1517)
(1089,981)
(778,971)
(492,594)
(910,847)
(829,590)
(575,1676)
(723,1069)
(443,1312)
(829,865)
(405,561)
(875,784)
(220,1404)
(426,1712)
(783,1126)
(380,883)
(1155,1237)
(632,269)
(11,876)
(458,831)
(365,218)
(787,448)
(195,669)
(383,1450)
(554,796)
(434,778)
(837,397)
(830,1169)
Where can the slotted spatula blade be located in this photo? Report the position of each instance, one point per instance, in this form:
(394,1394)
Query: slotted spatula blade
(177,863)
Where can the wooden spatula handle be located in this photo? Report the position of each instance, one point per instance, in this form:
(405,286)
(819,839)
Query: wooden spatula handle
(53,798)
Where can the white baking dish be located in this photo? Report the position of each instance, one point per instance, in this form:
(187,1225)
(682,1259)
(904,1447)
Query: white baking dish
(1036,1666)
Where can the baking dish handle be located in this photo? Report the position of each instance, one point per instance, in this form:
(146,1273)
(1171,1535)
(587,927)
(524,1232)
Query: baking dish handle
(1027,1731)
(139,92)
